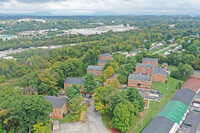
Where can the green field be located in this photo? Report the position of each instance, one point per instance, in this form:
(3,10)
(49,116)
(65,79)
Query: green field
(155,107)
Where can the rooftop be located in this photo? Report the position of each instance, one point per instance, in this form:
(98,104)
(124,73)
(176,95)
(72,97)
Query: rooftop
(144,65)
(158,124)
(159,70)
(150,59)
(193,84)
(174,110)
(97,68)
(73,80)
(139,77)
(106,54)
(196,73)
(102,61)
(164,63)
(184,95)
(57,102)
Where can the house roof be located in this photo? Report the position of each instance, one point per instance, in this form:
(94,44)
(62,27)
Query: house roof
(57,102)
(193,84)
(159,124)
(139,77)
(144,65)
(159,70)
(106,54)
(184,95)
(164,63)
(174,110)
(73,80)
(102,61)
(196,73)
(97,68)
(150,59)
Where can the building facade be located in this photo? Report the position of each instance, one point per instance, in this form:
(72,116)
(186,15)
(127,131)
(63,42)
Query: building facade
(144,68)
(105,56)
(60,106)
(73,80)
(139,81)
(96,70)
(159,75)
(152,61)
(101,62)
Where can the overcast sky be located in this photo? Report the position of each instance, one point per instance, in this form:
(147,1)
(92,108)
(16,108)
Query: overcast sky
(121,7)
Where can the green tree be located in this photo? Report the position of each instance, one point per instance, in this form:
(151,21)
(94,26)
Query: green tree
(73,91)
(123,116)
(108,72)
(77,105)
(39,128)
(26,110)
(122,79)
(90,83)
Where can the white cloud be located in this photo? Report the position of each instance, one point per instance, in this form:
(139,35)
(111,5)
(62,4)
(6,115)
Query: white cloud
(90,6)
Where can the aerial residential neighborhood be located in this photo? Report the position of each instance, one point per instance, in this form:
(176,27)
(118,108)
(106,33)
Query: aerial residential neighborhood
(103,66)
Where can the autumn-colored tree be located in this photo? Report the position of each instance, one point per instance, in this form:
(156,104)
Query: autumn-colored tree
(108,72)
(39,128)
(113,82)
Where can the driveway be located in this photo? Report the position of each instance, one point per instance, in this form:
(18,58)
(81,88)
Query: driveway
(93,124)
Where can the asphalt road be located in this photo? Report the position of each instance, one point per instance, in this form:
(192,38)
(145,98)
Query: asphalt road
(93,124)
(165,48)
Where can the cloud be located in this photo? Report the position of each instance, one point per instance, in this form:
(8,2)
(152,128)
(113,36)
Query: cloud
(90,6)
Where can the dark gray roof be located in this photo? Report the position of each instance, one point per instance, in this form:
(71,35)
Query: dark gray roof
(159,70)
(164,63)
(159,124)
(57,102)
(106,54)
(139,77)
(97,68)
(102,61)
(150,59)
(184,95)
(144,65)
(73,80)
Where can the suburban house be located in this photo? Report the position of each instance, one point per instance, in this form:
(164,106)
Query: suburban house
(139,81)
(60,106)
(152,61)
(105,56)
(96,70)
(101,62)
(159,74)
(73,80)
(144,68)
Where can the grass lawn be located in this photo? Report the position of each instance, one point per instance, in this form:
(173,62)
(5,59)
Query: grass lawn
(67,118)
(155,107)
(106,121)
(49,126)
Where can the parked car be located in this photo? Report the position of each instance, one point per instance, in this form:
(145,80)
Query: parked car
(62,93)
(196,105)
(196,110)
(186,123)
(195,101)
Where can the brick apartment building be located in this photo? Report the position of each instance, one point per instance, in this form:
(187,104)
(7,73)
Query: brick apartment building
(73,80)
(101,62)
(97,70)
(105,56)
(60,106)
(153,61)
(159,75)
(139,81)
(144,68)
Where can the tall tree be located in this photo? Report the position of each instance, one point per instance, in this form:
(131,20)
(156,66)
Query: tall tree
(90,83)
(73,91)
(26,110)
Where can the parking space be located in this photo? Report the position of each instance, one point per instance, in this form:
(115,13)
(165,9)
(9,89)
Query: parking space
(191,124)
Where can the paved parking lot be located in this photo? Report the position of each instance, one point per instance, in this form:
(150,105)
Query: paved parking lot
(193,118)
(93,124)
